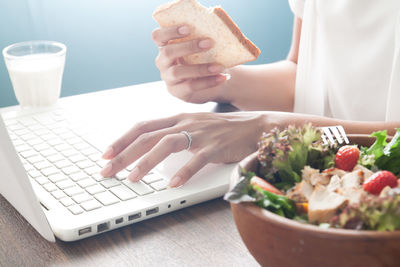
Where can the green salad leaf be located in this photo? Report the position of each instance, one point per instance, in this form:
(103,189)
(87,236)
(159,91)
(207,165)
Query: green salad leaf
(382,155)
(283,154)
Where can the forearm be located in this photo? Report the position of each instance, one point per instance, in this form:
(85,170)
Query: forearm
(261,87)
(283,119)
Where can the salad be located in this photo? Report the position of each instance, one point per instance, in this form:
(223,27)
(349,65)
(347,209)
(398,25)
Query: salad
(301,178)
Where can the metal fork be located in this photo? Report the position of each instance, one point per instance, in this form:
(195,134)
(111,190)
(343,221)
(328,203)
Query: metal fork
(333,134)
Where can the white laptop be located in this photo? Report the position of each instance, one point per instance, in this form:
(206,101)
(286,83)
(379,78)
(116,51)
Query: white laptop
(49,173)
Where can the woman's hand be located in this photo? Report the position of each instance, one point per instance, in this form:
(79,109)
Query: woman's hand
(196,83)
(217,138)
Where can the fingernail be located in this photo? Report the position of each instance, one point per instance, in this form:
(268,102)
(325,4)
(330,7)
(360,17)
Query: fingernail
(215,68)
(175,181)
(108,153)
(184,30)
(205,44)
(220,79)
(106,170)
(134,174)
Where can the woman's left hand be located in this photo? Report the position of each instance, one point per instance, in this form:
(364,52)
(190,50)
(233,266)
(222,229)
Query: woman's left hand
(217,138)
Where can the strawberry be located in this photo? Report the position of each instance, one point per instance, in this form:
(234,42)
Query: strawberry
(347,157)
(379,180)
(257,181)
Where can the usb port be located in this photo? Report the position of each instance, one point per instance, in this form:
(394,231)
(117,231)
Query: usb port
(85,230)
(183,202)
(134,216)
(151,211)
(119,220)
(103,226)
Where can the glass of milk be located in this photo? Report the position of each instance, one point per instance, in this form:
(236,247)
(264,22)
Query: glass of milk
(36,69)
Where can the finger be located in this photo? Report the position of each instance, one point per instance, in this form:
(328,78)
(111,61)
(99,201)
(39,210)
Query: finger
(168,144)
(136,131)
(198,161)
(197,90)
(161,36)
(170,53)
(179,72)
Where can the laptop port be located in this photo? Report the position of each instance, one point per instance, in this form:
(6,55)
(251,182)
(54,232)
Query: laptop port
(183,202)
(134,216)
(119,220)
(151,211)
(103,226)
(85,230)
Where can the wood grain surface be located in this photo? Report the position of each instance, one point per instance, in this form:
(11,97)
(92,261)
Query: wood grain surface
(201,235)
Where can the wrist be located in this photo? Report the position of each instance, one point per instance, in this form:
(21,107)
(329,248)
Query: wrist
(226,91)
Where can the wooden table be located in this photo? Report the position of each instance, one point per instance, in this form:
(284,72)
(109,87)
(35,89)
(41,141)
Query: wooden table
(201,235)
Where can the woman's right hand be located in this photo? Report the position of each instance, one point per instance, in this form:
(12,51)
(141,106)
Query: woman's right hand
(195,83)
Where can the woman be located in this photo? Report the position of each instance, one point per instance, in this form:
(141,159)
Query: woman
(343,68)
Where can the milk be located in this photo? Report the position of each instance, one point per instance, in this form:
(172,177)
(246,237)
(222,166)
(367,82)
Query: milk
(36,79)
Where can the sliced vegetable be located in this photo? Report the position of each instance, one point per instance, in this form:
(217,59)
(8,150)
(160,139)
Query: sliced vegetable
(255,180)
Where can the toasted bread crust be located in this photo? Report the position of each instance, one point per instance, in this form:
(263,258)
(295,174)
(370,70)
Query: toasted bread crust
(237,32)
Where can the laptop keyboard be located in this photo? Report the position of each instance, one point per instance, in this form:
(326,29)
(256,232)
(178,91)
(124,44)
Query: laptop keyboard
(58,157)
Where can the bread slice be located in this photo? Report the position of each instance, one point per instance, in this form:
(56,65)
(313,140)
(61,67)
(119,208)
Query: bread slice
(230,48)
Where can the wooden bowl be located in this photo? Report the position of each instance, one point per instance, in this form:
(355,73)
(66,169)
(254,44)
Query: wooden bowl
(277,241)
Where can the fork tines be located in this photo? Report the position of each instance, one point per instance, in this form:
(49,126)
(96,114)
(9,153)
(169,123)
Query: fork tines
(334,134)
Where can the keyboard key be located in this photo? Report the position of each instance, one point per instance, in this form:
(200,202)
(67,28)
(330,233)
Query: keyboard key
(139,188)
(86,182)
(50,187)
(96,157)
(42,164)
(123,193)
(81,145)
(160,185)
(22,131)
(94,189)
(84,164)
(151,178)
(54,141)
(15,127)
(91,205)
(27,136)
(98,177)
(106,198)
(23,147)
(70,170)
(77,157)
(122,175)
(28,153)
(35,141)
(110,182)
(102,162)
(92,170)
(65,184)
(58,194)
(49,171)
(69,152)
(75,209)
(62,147)
(73,140)
(34,173)
(89,151)
(73,190)
(27,121)
(35,159)
(82,197)
(62,163)
(78,176)
(42,180)
(41,147)
(66,201)
(51,155)
(57,177)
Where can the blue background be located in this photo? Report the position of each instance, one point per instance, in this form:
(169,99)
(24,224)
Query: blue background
(109,42)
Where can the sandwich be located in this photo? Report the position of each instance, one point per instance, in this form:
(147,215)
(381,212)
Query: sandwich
(230,48)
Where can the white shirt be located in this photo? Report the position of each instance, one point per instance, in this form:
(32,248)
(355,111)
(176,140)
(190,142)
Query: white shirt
(349,59)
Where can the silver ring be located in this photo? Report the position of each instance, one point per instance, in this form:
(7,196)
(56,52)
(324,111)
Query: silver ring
(189,138)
